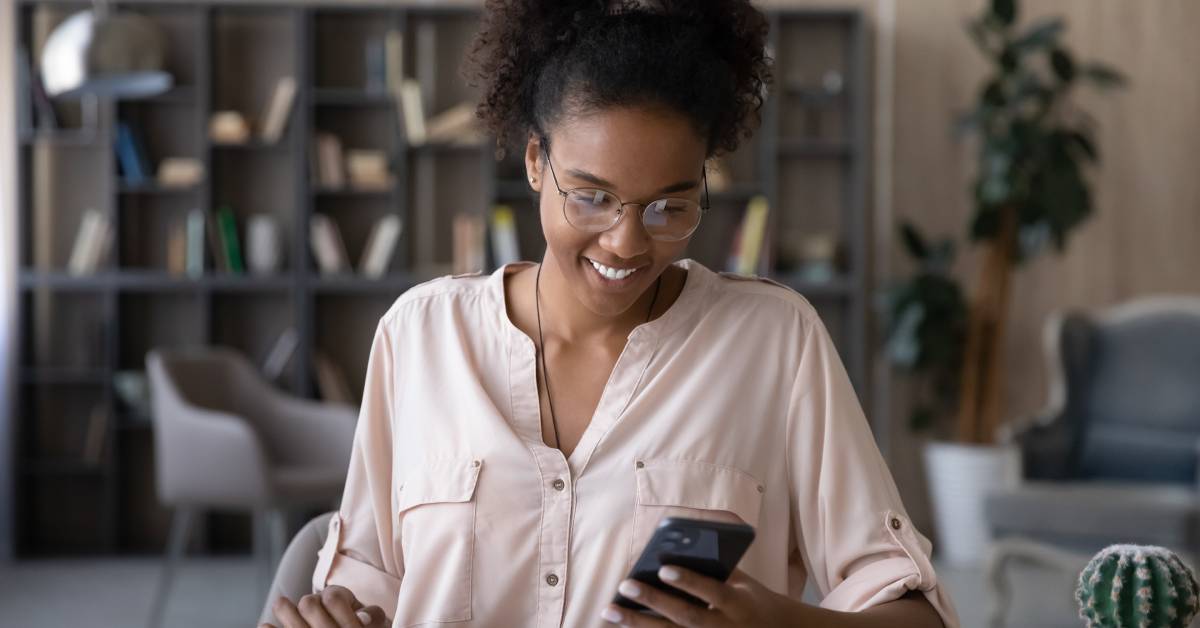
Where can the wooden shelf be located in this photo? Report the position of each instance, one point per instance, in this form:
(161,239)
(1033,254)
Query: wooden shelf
(358,284)
(177,95)
(133,304)
(346,97)
(154,188)
(350,191)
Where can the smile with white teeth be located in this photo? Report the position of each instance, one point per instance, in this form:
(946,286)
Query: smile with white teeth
(612,273)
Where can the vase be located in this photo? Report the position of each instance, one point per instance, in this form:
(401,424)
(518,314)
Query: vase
(960,478)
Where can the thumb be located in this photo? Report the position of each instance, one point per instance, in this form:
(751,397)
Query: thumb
(372,617)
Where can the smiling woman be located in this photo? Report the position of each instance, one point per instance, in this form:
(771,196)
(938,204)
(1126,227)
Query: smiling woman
(523,433)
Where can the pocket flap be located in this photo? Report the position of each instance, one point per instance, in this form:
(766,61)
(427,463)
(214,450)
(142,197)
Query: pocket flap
(439,481)
(702,485)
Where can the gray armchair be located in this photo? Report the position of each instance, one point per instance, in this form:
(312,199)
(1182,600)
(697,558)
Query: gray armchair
(226,439)
(1114,458)
(294,578)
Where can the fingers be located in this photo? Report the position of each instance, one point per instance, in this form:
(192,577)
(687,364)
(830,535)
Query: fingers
(718,594)
(669,606)
(287,614)
(339,603)
(373,617)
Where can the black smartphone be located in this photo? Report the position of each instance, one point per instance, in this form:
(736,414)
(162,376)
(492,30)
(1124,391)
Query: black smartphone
(710,548)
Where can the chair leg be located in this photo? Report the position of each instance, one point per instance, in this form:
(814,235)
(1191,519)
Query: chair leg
(277,534)
(181,524)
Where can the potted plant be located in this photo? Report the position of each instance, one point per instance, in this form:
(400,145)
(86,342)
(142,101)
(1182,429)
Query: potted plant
(1029,194)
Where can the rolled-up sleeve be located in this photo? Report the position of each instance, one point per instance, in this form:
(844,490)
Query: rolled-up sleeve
(359,552)
(858,545)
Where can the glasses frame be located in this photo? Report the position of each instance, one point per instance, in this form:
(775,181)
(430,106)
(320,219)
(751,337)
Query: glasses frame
(704,206)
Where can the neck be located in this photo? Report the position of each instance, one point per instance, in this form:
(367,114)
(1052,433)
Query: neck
(565,318)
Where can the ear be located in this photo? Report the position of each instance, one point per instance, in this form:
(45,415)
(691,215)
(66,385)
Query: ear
(533,162)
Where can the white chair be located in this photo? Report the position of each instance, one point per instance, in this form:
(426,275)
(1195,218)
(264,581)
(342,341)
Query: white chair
(226,439)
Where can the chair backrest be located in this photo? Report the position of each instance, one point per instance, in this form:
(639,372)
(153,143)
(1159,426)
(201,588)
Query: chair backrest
(204,453)
(1133,389)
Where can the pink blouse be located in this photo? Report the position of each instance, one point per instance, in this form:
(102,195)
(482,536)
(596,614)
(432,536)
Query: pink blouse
(731,405)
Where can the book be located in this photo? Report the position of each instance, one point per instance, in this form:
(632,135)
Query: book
(279,109)
(194,265)
(331,381)
(504,236)
(177,250)
(92,242)
(228,127)
(750,236)
(412,112)
(456,125)
(220,259)
(375,64)
(229,239)
(381,244)
(393,47)
(180,172)
(280,354)
(468,244)
(96,435)
(367,168)
(330,171)
(131,156)
(328,247)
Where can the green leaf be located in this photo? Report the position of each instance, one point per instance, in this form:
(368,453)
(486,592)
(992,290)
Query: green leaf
(985,224)
(1040,35)
(992,94)
(1008,60)
(1102,75)
(1083,144)
(1064,66)
(1005,11)
(981,35)
(913,242)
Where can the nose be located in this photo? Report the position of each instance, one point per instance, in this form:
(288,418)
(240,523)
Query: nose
(628,238)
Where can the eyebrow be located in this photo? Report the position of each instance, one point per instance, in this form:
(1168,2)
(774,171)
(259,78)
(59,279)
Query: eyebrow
(595,180)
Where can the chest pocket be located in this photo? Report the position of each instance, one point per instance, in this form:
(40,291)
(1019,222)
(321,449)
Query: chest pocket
(436,511)
(692,489)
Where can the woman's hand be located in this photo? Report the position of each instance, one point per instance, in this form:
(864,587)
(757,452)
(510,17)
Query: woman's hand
(741,601)
(333,607)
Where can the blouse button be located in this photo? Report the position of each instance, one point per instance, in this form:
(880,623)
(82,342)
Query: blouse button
(761,489)
(640,464)
(474,463)
(896,523)
(552,580)
(559,484)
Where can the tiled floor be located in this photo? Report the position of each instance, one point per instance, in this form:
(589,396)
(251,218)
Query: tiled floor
(209,593)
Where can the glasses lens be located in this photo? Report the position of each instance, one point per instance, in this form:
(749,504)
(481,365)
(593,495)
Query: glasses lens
(591,210)
(671,218)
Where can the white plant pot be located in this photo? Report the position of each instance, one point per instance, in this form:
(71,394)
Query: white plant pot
(960,477)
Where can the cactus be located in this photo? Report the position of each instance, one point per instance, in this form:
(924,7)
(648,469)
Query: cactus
(1137,586)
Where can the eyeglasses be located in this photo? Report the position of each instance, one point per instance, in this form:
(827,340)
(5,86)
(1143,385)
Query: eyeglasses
(595,210)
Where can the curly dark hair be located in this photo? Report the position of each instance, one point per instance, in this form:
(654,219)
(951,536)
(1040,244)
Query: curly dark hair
(538,60)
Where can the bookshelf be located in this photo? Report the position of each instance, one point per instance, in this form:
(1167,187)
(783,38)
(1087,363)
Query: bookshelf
(76,332)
